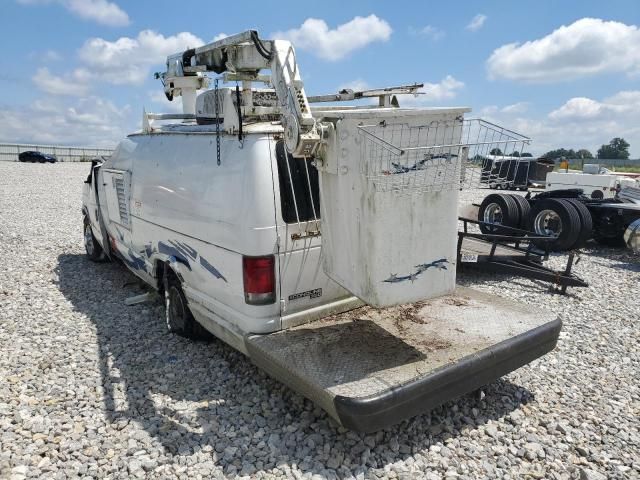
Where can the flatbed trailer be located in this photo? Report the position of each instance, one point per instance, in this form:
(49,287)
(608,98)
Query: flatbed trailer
(512,252)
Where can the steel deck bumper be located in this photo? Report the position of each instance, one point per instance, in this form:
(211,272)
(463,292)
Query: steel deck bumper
(370,368)
(470,373)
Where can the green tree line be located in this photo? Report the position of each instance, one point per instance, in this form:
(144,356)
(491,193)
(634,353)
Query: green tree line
(617,148)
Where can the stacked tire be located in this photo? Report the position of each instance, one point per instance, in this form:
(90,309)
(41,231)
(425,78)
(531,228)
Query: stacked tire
(500,210)
(566,220)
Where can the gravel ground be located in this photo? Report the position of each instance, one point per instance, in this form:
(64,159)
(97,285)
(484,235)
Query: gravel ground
(91,388)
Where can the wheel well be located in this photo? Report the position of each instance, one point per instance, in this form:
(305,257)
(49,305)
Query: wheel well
(160,272)
(163,269)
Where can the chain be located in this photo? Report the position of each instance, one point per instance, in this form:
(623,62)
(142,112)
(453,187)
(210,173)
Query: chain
(217,121)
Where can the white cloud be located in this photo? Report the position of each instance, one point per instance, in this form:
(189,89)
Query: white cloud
(514,108)
(355,85)
(89,121)
(445,89)
(579,123)
(100,11)
(588,46)
(582,108)
(128,60)
(123,61)
(434,33)
(489,110)
(220,36)
(315,36)
(518,107)
(73,84)
(159,99)
(476,22)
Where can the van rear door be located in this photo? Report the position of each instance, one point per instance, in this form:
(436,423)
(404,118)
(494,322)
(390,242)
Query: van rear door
(303,283)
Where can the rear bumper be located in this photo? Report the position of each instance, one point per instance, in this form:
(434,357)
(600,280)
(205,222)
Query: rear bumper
(368,414)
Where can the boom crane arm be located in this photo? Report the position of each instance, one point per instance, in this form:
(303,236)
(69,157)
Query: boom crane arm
(243,56)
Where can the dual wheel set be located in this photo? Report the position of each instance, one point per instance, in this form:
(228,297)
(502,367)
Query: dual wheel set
(566,220)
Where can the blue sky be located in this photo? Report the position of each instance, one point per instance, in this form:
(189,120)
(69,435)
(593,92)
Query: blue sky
(565,73)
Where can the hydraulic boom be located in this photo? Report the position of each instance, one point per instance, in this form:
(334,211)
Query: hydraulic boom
(241,57)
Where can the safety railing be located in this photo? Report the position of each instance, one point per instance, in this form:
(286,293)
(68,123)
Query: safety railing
(441,155)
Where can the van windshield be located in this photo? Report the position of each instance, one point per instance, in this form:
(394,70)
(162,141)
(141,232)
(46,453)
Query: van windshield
(299,190)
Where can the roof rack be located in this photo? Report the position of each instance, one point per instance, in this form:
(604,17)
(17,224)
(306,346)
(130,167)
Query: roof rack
(147,118)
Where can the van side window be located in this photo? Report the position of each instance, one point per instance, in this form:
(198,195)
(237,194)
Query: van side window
(292,173)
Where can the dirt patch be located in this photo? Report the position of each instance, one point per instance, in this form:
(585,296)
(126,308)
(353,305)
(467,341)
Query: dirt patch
(433,344)
(457,301)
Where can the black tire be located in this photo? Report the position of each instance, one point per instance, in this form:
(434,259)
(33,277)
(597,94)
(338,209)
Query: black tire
(586,230)
(178,317)
(555,214)
(524,209)
(91,246)
(499,209)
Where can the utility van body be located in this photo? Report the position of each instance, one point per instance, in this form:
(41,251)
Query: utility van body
(261,226)
(592,184)
(167,201)
(253,276)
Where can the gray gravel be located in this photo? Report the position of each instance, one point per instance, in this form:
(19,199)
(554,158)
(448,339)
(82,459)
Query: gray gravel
(91,388)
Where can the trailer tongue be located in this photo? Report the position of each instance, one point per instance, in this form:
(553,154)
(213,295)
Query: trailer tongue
(370,368)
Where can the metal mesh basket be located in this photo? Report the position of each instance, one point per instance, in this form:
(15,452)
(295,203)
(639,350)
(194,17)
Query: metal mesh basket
(443,155)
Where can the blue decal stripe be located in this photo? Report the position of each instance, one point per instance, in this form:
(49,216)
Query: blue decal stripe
(172,251)
(179,248)
(420,269)
(211,269)
(187,248)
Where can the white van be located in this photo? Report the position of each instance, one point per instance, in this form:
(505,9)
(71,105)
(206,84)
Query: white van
(215,215)
(224,230)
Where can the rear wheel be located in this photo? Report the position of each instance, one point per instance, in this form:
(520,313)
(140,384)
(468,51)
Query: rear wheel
(586,222)
(523,208)
(178,317)
(91,245)
(498,209)
(556,218)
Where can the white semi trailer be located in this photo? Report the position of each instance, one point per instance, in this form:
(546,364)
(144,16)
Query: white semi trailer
(270,224)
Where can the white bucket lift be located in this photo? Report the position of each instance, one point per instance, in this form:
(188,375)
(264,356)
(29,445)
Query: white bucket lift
(389,176)
(389,186)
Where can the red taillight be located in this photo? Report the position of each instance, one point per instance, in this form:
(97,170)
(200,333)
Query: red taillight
(259,280)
